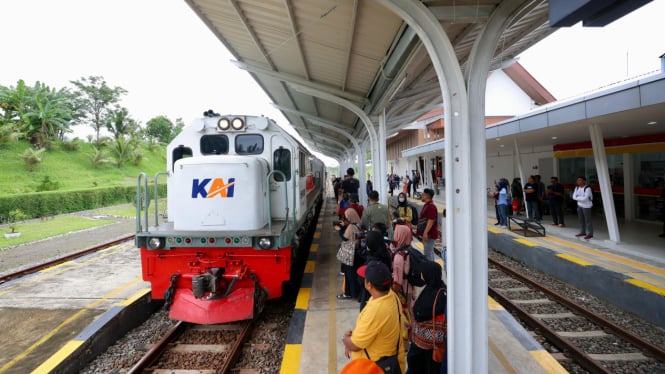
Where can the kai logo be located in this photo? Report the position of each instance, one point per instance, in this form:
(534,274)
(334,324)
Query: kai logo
(217,188)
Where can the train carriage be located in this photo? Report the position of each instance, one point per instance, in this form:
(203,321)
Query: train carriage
(241,194)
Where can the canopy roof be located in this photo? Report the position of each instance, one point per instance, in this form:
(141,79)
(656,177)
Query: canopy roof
(356,50)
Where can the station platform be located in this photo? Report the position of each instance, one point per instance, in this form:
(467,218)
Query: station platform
(320,319)
(52,319)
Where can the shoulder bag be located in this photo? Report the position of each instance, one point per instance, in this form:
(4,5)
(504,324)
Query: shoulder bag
(346,252)
(432,334)
(422,225)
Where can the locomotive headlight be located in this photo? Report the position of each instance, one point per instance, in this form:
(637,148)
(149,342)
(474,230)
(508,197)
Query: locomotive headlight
(223,124)
(237,124)
(156,243)
(265,242)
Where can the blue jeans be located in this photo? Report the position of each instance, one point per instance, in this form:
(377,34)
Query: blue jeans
(503,214)
(429,249)
(584,218)
(533,208)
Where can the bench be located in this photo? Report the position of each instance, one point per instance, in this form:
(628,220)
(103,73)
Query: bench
(526,226)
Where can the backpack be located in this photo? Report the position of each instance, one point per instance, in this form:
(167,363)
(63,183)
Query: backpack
(585,187)
(414,214)
(415,259)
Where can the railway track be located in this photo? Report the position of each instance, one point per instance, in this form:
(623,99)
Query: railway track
(588,339)
(35,268)
(199,348)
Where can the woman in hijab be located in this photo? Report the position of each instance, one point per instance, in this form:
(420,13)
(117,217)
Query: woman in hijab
(376,251)
(351,229)
(419,359)
(404,209)
(401,240)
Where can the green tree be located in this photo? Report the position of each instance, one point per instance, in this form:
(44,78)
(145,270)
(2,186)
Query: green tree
(119,123)
(13,102)
(32,157)
(97,100)
(160,128)
(8,134)
(98,158)
(49,114)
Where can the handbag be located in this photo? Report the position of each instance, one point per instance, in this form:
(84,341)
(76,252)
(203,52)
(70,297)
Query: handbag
(422,225)
(389,365)
(346,252)
(431,334)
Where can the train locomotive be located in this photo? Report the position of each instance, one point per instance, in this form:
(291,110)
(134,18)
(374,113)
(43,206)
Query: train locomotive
(241,193)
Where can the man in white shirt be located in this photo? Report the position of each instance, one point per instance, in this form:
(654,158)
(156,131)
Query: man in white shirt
(584,197)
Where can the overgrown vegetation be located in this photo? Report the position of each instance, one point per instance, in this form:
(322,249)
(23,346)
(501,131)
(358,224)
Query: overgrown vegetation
(43,173)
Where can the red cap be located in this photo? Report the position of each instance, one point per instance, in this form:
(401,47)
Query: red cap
(376,273)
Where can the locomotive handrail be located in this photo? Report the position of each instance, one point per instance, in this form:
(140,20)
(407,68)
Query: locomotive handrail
(286,198)
(144,177)
(295,172)
(157,195)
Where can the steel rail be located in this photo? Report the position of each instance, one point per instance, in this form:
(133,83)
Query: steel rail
(60,260)
(158,349)
(581,358)
(236,349)
(656,351)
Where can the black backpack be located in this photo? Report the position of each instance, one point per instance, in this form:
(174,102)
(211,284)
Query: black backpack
(414,214)
(416,259)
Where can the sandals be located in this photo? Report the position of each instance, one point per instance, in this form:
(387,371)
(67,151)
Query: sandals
(343,297)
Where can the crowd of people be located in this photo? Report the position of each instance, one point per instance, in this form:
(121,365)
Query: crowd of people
(399,288)
(401,295)
(538,199)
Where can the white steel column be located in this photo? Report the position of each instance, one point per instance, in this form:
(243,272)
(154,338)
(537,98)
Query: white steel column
(369,126)
(628,187)
(380,165)
(522,180)
(467,242)
(600,157)
(361,151)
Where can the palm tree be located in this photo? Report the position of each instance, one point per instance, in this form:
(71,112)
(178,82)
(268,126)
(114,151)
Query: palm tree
(32,157)
(50,114)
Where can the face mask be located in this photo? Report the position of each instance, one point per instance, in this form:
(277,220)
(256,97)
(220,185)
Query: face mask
(401,200)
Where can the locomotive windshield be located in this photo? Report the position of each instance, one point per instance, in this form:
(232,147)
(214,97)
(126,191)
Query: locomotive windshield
(214,144)
(249,144)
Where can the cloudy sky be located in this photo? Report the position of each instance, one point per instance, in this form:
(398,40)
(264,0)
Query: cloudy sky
(172,65)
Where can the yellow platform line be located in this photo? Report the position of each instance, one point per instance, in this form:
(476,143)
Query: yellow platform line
(314,248)
(574,259)
(310,266)
(291,360)
(548,363)
(68,321)
(302,301)
(589,256)
(654,289)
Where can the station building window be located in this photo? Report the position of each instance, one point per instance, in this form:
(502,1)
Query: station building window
(649,181)
(648,177)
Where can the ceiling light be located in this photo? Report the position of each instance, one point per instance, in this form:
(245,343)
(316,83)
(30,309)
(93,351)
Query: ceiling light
(555,138)
(497,139)
(652,123)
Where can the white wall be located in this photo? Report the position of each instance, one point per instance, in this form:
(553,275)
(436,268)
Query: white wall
(505,165)
(504,97)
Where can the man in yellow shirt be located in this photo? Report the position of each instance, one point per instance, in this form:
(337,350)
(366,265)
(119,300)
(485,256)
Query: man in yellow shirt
(378,328)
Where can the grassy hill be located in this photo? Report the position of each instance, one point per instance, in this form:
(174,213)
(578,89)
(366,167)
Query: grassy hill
(70,169)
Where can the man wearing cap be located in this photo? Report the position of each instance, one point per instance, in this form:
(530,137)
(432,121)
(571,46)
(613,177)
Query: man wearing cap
(431,232)
(378,331)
